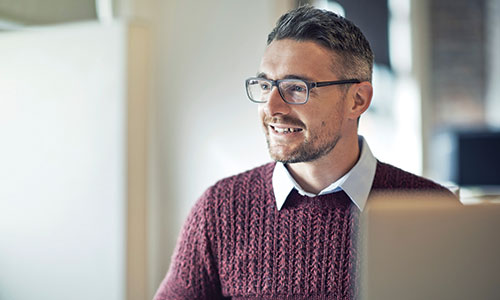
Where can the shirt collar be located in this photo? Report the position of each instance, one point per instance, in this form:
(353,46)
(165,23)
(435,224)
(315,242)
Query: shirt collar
(356,183)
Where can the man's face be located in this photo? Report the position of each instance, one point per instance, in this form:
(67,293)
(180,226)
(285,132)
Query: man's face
(301,133)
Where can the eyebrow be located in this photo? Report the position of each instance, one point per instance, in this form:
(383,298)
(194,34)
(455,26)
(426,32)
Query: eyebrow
(290,76)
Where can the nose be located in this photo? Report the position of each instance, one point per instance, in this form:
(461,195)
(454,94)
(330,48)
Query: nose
(275,105)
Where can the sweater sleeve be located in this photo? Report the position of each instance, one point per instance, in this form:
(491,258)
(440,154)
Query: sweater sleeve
(193,272)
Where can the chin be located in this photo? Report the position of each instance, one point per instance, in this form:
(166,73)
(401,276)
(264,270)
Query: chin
(279,156)
(286,158)
(299,155)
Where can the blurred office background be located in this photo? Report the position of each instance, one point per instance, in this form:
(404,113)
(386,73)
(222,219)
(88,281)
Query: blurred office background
(116,115)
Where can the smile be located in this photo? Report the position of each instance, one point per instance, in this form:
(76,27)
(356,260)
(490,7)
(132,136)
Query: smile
(285,130)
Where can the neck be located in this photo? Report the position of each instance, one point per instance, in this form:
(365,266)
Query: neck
(316,175)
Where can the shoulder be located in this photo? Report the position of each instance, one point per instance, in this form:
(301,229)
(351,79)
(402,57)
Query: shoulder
(224,197)
(237,186)
(231,198)
(260,175)
(391,177)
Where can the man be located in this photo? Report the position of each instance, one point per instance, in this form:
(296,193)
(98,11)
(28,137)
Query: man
(285,230)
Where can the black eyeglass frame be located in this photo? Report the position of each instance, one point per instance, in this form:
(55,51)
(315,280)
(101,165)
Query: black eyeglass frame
(309,85)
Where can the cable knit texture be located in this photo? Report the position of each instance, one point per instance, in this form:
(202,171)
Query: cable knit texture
(235,244)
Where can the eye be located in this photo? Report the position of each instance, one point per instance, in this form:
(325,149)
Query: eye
(297,88)
(265,86)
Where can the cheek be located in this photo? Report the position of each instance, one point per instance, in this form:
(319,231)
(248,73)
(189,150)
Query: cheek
(327,120)
(260,113)
(261,117)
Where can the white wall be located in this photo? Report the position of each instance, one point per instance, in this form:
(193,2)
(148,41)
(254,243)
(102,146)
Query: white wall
(62,158)
(210,48)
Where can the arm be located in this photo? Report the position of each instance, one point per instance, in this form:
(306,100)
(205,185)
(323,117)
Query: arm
(193,271)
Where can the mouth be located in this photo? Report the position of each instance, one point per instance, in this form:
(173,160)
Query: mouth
(285,130)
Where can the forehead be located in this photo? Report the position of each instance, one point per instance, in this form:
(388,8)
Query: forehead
(305,59)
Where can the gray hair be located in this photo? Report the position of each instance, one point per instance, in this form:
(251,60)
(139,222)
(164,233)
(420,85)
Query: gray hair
(333,32)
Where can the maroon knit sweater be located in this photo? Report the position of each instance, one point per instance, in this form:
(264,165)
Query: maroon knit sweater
(235,244)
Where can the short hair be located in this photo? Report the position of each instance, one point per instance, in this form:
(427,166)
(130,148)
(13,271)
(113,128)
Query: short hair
(336,33)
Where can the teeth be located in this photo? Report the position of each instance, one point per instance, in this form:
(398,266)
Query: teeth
(286,130)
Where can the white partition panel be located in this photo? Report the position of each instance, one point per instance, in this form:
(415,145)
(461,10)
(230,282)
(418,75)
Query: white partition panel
(62,163)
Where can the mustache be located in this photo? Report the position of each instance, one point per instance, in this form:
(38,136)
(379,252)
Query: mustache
(285,120)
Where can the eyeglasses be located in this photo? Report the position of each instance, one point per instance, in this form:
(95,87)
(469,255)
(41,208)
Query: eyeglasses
(292,91)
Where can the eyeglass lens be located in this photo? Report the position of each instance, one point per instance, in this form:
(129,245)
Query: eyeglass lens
(291,90)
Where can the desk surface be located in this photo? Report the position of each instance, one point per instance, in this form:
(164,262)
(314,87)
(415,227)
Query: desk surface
(479,195)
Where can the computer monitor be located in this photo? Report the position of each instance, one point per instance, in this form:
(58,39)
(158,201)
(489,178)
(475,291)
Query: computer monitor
(476,158)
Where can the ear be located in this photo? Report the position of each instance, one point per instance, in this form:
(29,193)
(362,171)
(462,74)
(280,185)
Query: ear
(361,97)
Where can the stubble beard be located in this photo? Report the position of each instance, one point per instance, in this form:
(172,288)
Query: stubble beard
(309,150)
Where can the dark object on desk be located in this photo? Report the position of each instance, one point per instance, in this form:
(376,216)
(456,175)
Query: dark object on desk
(476,158)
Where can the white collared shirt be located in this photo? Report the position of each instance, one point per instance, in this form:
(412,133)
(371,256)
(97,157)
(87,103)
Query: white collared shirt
(356,183)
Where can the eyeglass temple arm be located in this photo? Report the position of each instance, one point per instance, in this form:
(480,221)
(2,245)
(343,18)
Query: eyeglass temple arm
(326,83)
